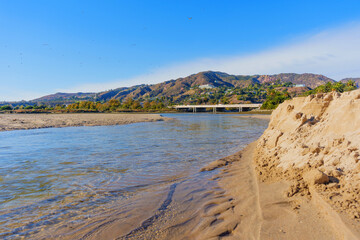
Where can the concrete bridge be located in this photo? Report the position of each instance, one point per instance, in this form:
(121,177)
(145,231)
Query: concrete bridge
(199,108)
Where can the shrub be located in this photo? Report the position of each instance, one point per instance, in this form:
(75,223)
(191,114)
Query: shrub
(274,98)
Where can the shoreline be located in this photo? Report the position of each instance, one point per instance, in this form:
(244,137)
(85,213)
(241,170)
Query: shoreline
(10,122)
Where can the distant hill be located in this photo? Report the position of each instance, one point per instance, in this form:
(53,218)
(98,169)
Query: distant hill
(179,87)
(182,87)
(65,96)
(308,79)
(356,80)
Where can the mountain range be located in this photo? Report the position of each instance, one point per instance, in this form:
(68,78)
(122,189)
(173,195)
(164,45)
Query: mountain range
(181,87)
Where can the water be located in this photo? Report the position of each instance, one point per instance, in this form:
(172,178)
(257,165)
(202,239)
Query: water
(53,176)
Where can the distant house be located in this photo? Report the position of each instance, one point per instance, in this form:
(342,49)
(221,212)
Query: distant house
(207,86)
(300,85)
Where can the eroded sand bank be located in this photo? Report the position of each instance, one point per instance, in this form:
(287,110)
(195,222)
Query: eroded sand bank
(262,210)
(31,121)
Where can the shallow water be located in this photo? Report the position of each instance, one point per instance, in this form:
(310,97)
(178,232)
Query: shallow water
(53,176)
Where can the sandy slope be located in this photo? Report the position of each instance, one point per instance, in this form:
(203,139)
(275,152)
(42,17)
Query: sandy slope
(314,143)
(260,210)
(316,135)
(31,121)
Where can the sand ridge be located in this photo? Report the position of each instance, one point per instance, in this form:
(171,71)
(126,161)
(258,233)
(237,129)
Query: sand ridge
(32,121)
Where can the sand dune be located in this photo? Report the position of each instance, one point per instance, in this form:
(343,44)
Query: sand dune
(316,140)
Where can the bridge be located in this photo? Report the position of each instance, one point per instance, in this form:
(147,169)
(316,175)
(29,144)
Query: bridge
(196,108)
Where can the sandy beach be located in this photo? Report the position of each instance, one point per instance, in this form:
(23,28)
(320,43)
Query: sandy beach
(300,180)
(31,121)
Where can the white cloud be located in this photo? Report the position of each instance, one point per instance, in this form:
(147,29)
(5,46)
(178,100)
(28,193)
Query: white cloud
(334,53)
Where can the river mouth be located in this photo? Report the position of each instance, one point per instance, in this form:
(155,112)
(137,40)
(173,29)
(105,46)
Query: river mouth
(58,178)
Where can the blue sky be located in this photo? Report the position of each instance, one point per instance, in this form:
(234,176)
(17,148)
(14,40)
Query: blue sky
(50,46)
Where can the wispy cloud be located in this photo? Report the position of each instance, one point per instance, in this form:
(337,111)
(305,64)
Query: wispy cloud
(334,53)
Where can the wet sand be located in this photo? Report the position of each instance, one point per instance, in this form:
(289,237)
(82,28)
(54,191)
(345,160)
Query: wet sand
(31,121)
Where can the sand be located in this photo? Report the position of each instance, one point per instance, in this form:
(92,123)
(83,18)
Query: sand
(312,138)
(262,210)
(31,121)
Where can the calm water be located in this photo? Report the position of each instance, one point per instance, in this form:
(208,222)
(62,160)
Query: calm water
(49,176)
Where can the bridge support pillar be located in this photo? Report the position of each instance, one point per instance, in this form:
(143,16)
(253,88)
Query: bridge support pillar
(240,109)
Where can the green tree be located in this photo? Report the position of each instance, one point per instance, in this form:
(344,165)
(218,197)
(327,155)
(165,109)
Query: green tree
(136,105)
(274,98)
(6,107)
(114,104)
(147,105)
(350,85)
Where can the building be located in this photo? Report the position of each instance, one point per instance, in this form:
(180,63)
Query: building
(207,86)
